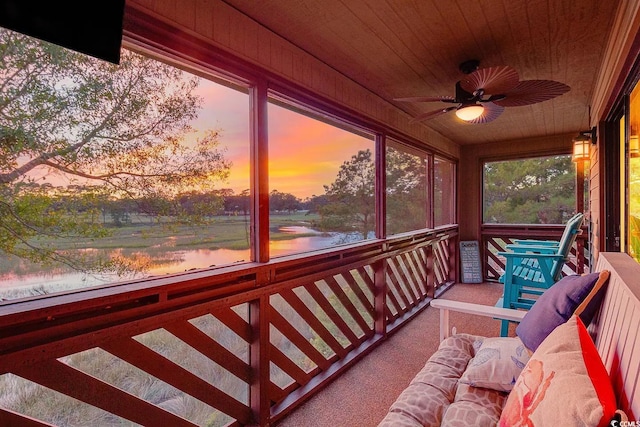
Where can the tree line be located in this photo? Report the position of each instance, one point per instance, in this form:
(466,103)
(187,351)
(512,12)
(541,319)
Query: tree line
(96,200)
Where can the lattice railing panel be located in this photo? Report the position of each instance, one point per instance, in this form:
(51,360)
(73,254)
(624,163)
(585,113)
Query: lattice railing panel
(316,324)
(232,346)
(415,273)
(190,372)
(442,257)
(578,262)
(40,402)
(405,290)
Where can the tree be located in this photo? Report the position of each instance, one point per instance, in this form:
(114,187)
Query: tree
(531,191)
(406,191)
(283,202)
(196,207)
(314,203)
(120,127)
(238,202)
(634,207)
(351,199)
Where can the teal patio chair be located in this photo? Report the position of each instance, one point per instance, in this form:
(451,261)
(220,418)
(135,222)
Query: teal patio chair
(532,268)
(543,245)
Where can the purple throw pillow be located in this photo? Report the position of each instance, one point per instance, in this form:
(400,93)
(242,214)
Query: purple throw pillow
(555,306)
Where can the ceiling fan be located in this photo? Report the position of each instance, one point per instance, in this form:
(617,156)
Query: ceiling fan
(483,94)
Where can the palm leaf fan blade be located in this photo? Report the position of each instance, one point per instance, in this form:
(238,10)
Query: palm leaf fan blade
(492,80)
(529,92)
(426,99)
(431,114)
(490,113)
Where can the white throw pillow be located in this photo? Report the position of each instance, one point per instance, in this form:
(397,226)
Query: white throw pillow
(497,363)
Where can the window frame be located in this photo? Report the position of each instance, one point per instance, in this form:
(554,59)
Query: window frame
(485,160)
(151,36)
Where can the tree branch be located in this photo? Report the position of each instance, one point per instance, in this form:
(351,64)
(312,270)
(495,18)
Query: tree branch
(103,177)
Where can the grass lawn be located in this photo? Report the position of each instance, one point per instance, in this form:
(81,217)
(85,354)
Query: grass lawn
(221,232)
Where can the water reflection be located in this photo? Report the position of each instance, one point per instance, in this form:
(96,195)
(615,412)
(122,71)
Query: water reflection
(22,281)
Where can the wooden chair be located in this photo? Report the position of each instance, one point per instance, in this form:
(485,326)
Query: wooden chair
(531,268)
(544,244)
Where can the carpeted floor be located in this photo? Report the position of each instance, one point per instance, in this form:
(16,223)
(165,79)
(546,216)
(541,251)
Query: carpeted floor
(361,396)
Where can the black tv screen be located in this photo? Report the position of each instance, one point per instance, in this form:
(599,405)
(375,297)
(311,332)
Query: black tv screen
(93,27)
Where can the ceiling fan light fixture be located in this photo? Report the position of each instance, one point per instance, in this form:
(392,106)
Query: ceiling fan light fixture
(483,93)
(470,112)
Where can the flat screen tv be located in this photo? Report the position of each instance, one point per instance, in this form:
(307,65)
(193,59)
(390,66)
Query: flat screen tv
(93,27)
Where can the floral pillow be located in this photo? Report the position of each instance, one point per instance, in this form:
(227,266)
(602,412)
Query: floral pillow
(497,363)
(563,384)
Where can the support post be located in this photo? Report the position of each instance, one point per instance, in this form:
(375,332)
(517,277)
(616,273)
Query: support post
(259,173)
(259,360)
(380,296)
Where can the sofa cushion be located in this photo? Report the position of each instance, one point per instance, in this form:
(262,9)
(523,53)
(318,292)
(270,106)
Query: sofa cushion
(563,384)
(474,406)
(435,390)
(559,303)
(497,363)
(431,391)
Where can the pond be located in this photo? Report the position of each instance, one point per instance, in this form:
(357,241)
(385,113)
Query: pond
(23,280)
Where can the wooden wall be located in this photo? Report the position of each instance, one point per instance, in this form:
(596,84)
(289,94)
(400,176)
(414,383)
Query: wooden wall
(620,55)
(596,202)
(227,29)
(616,62)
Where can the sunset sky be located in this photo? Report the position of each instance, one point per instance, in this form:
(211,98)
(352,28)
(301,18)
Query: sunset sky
(304,153)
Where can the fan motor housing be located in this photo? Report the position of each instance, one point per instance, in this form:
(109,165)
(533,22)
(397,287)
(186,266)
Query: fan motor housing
(468,67)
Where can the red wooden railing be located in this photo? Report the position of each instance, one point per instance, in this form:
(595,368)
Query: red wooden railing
(495,237)
(238,345)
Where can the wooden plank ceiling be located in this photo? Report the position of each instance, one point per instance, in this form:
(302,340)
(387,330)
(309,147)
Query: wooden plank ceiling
(401,48)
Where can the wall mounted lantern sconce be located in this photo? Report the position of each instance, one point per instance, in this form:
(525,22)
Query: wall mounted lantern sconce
(582,143)
(634,146)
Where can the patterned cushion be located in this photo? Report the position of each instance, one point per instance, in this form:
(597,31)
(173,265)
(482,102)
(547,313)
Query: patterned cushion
(563,384)
(497,363)
(559,303)
(474,406)
(434,397)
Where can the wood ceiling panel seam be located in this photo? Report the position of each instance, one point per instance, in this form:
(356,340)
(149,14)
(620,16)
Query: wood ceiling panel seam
(186,13)
(416,64)
(255,14)
(452,21)
(427,73)
(593,58)
(514,21)
(383,39)
(204,19)
(481,33)
(446,60)
(557,55)
(540,42)
(346,64)
(563,47)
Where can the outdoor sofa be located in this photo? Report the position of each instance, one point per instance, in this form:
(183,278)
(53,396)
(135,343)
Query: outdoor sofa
(556,371)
